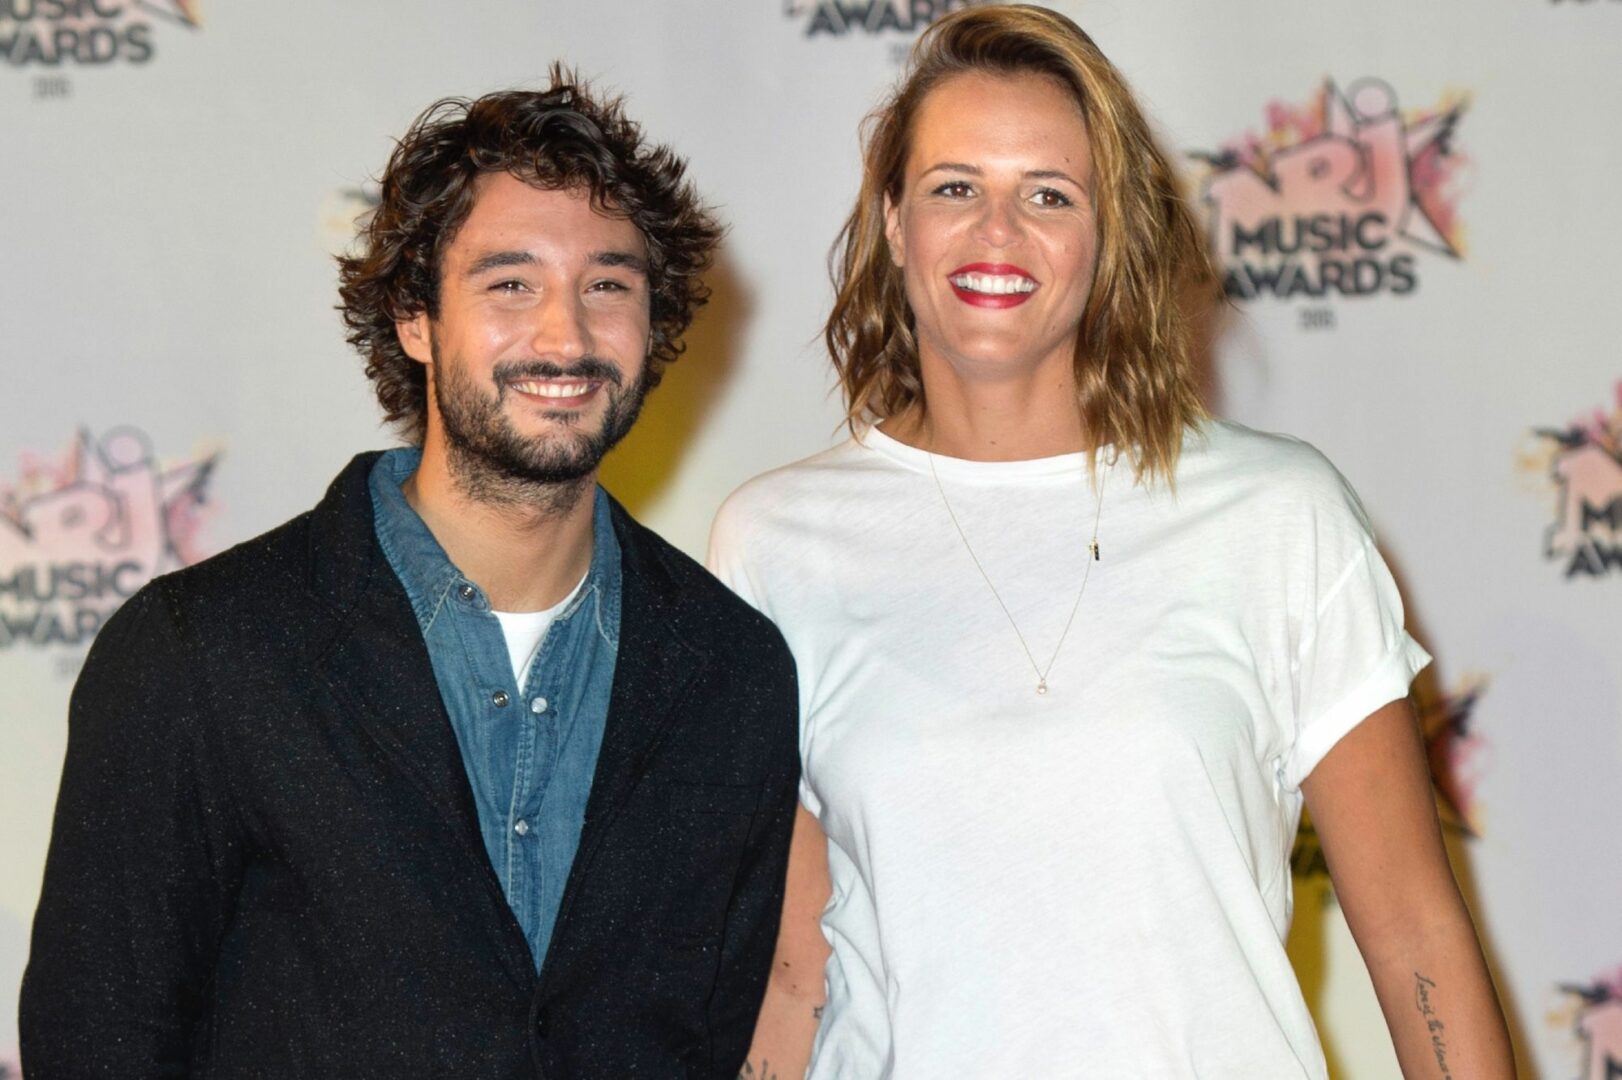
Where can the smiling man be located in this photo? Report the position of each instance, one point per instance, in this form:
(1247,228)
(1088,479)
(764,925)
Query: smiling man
(462,773)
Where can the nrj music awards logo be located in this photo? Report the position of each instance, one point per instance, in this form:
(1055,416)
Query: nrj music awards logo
(1584,459)
(81,533)
(87,33)
(1457,755)
(838,18)
(1593,1013)
(1340,197)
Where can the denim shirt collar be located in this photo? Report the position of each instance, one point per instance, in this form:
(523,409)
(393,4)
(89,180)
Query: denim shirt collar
(428,574)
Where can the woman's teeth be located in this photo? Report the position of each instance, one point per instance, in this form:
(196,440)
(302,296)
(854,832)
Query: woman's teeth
(994,284)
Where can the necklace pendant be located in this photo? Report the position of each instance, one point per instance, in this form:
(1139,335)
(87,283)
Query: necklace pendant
(1042,687)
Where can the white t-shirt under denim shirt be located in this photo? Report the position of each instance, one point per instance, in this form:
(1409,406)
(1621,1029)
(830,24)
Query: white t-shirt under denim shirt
(1092,882)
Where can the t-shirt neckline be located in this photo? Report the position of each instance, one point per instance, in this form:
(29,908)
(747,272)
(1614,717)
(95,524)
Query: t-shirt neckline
(916,460)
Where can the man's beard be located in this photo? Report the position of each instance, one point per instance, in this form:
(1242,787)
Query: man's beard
(494,462)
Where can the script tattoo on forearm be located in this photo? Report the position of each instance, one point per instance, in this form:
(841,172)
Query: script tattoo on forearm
(1433,1024)
(816,1012)
(749,1072)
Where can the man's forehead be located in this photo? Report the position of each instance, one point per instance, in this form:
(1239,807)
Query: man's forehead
(509,190)
(522,217)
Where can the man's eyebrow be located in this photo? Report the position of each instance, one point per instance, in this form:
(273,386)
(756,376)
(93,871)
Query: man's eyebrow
(500,260)
(627,260)
(497,260)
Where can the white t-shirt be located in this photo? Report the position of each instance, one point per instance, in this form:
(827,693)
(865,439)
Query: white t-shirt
(1091,882)
(524,631)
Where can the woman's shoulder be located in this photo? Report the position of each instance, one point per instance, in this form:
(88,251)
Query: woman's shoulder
(844,472)
(1222,450)
(1229,461)
(780,504)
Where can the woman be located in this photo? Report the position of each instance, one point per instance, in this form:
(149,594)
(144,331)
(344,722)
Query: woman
(1072,654)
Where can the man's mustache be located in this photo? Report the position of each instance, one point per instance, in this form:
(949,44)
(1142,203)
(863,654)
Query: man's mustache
(587,367)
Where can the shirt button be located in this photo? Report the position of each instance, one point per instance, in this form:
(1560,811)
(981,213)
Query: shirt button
(538,705)
(522,828)
(466,592)
(499,699)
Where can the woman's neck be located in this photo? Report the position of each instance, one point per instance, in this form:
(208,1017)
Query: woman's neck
(1013,420)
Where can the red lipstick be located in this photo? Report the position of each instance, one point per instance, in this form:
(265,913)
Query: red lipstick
(992,300)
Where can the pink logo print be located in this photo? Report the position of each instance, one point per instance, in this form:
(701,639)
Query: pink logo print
(1335,198)
(80,535)
(1587,468)
(1598,1023)
(1456,752)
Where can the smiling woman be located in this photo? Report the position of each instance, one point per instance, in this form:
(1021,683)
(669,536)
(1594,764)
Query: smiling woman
(1072,654)
(999,166)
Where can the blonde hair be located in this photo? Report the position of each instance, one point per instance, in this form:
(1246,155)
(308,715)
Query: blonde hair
(1154,279)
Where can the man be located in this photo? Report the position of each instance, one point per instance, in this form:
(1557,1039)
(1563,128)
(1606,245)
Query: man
(463,773)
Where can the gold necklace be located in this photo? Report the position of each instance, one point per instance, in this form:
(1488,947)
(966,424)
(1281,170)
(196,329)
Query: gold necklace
(1092,548)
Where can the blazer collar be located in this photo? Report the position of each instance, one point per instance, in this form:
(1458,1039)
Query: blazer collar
(658,664)
(376,664)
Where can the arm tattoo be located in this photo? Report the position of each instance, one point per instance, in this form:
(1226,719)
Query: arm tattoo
(765,1072)
(1433,1024)
(816,1014)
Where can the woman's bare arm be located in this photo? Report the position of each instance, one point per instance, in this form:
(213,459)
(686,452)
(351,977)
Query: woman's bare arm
(1372,806)
(781,1049)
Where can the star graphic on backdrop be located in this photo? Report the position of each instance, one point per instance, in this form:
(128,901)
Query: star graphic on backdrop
(181,11)
(1371,100)
(1445,724)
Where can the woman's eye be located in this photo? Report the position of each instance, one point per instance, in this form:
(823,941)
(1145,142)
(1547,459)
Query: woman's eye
(955,189)
(1049,198)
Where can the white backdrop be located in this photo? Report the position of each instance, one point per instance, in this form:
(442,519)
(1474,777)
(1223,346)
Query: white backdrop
(175,175)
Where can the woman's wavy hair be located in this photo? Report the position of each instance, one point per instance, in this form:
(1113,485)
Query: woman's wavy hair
(558,139)
(1154,279)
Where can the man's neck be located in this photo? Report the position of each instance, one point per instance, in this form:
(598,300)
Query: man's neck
(527,554)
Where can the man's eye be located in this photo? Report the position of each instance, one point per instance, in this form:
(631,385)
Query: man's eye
(609,286)
(507,287)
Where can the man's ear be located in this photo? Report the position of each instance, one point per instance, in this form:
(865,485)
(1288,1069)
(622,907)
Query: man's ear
(416,337)
(892,231)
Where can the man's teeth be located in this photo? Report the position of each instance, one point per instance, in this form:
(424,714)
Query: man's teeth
(553,389)
(995,284)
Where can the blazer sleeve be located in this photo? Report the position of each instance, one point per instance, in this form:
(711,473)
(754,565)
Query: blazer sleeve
(143,865)
(757,898)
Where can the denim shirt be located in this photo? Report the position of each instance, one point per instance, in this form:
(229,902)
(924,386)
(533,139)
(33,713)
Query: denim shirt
(529,756)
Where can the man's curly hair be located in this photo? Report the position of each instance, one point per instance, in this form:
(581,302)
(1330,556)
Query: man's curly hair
(558,139)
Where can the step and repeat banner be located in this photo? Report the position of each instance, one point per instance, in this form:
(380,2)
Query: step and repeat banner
(1414,204)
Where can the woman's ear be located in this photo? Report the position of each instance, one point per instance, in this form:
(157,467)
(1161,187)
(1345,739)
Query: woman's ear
(893,233)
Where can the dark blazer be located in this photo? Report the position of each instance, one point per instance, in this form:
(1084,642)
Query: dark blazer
(266,860)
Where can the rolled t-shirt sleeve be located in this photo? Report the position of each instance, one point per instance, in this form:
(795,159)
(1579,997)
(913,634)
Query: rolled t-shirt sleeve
(1354,654)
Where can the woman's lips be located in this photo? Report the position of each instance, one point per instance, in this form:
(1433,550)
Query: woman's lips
(992,285)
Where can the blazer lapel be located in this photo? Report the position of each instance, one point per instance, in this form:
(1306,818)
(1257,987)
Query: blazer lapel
(377,665)
(654,669)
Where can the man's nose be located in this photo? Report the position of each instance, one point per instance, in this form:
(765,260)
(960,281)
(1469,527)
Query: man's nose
(560,332)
